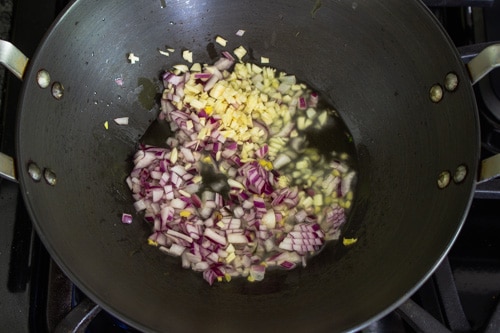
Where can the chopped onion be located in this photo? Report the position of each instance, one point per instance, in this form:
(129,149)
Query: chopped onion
(269,219)
(238,189)
(257,272)
(281,161)
(126,218)
(214,236)
(237,238)
(346,182)
(121,121)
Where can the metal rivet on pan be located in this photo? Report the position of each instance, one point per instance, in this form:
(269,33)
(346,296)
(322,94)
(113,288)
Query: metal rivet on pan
(436,93)
(34,171)
(460,174)
(443,179)
(57,90)
(50,177)
(43,78)
(451,81)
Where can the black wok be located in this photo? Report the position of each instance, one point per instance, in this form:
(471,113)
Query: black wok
(374,60)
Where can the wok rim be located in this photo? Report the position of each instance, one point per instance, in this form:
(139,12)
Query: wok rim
(58,259)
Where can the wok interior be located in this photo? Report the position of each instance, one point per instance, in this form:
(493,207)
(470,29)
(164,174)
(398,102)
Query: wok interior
(375,61)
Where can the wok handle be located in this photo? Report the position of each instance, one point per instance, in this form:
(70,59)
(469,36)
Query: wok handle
(485,61)
(7,168)
(15,61)
(479,65)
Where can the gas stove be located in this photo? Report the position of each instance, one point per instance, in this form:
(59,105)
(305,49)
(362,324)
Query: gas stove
(461,296)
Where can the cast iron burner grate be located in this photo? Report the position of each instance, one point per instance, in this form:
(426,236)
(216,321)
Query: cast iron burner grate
(440,296)
(462,294)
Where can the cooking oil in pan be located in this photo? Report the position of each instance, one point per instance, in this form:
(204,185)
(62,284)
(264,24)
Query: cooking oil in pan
(314,159)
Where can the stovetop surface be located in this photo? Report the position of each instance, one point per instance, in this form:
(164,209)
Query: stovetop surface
(35,296)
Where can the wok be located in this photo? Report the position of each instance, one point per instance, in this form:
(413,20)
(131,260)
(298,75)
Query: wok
(375,61)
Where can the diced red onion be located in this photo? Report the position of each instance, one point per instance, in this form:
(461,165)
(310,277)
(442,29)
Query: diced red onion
(313,100)
(228,55)
(179,235)
(178,203)
(346,183)
(139,205)
(201,266)
(127,218)
(223,64)
(302,103)
(211,234)
(203,76)
(202,228)
(257,272)
(288,265)
(281,161)
(237,238)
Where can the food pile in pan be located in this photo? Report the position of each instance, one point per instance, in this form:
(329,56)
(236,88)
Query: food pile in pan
(240,189)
